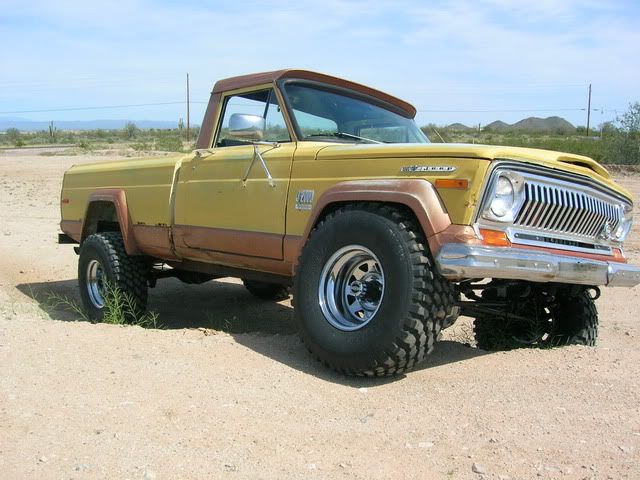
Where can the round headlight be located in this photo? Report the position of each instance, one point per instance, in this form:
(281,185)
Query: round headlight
(504,186)
(503,197)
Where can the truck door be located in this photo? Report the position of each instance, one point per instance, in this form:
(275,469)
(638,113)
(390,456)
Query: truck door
(232,198)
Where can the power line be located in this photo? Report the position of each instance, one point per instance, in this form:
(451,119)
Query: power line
(133,105)
(508,110)
(104,107)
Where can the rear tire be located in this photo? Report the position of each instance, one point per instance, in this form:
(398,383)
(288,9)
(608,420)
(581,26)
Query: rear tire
(267,291)
(368,298)
(104,261)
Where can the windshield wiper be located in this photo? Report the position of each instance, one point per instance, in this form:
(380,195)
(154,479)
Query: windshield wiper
(344,135)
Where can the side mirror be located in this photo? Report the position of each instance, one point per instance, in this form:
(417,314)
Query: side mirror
(246,126)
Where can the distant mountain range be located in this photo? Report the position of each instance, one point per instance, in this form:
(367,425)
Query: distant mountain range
(550,124)
(25,125)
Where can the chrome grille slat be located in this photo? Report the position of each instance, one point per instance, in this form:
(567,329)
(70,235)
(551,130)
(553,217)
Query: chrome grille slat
(563,210)
(570,213)
(534,203)
(584,216)
(591,219)
(544,218)
(618,214)
(576,214)
(553,211)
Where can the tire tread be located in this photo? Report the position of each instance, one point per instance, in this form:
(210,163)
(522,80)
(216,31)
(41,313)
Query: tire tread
(432,296)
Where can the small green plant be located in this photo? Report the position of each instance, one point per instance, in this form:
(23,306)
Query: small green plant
(220,324)
(55,301)
(120,308)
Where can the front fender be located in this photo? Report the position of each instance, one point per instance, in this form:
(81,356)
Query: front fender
(419,195)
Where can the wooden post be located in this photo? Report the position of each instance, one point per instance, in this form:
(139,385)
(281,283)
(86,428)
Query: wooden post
(188,135)
(589,110)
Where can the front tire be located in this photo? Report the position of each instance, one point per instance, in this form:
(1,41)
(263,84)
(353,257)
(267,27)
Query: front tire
(368,299)
(568,316)
(104,265)
(577,319)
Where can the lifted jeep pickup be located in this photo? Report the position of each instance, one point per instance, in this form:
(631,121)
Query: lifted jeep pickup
(309,181)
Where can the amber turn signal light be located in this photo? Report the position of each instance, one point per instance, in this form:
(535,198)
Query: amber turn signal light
(618,256)
(495,238)
(457,183)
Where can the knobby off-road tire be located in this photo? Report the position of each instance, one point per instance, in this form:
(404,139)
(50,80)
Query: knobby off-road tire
(104,261)
(577,320)
(571,320)
(394,324)
(496,333)
(267,291)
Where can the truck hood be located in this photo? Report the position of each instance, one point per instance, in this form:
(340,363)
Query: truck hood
(565,162)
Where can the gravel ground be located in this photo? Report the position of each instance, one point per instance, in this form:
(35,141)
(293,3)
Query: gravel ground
(226,390)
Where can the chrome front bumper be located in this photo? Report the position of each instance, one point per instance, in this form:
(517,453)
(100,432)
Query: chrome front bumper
(458,261)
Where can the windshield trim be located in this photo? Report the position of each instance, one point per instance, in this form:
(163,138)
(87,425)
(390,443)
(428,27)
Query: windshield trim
(282,83)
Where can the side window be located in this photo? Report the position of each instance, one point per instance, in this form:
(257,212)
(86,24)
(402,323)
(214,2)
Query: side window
(263,103)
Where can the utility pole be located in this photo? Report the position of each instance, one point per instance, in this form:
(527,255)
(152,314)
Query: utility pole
(589,110)
(188,109)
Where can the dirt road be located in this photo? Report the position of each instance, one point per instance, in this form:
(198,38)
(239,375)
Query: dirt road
(228,391)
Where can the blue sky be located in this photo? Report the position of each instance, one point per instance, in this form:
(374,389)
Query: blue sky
(469,61)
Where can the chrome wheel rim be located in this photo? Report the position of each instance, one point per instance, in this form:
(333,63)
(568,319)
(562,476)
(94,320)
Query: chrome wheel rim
(96,283)
(351,288)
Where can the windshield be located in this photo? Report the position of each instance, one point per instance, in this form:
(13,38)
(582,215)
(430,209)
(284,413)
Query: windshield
(321,114)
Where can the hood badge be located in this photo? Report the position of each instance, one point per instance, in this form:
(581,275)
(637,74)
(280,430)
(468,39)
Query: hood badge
(427,168)
(605,232)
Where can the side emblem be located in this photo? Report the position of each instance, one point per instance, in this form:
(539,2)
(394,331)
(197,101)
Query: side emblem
(304,199)
(427,168)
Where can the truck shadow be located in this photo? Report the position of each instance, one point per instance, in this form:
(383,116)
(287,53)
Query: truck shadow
(217,305)
(268,328)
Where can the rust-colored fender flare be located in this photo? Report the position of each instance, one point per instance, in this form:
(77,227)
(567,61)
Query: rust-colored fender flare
(118,198)
(417,194)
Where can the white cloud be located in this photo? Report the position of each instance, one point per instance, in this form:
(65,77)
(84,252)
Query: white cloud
(459,54)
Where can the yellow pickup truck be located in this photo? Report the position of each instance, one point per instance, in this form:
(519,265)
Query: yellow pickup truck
(306,182)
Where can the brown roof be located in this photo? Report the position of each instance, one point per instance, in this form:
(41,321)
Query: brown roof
(270,77)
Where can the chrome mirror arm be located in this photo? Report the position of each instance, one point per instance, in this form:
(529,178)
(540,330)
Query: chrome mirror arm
(257,154)
(204,152)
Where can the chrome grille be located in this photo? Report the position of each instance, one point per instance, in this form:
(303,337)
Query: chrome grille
(567,211)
